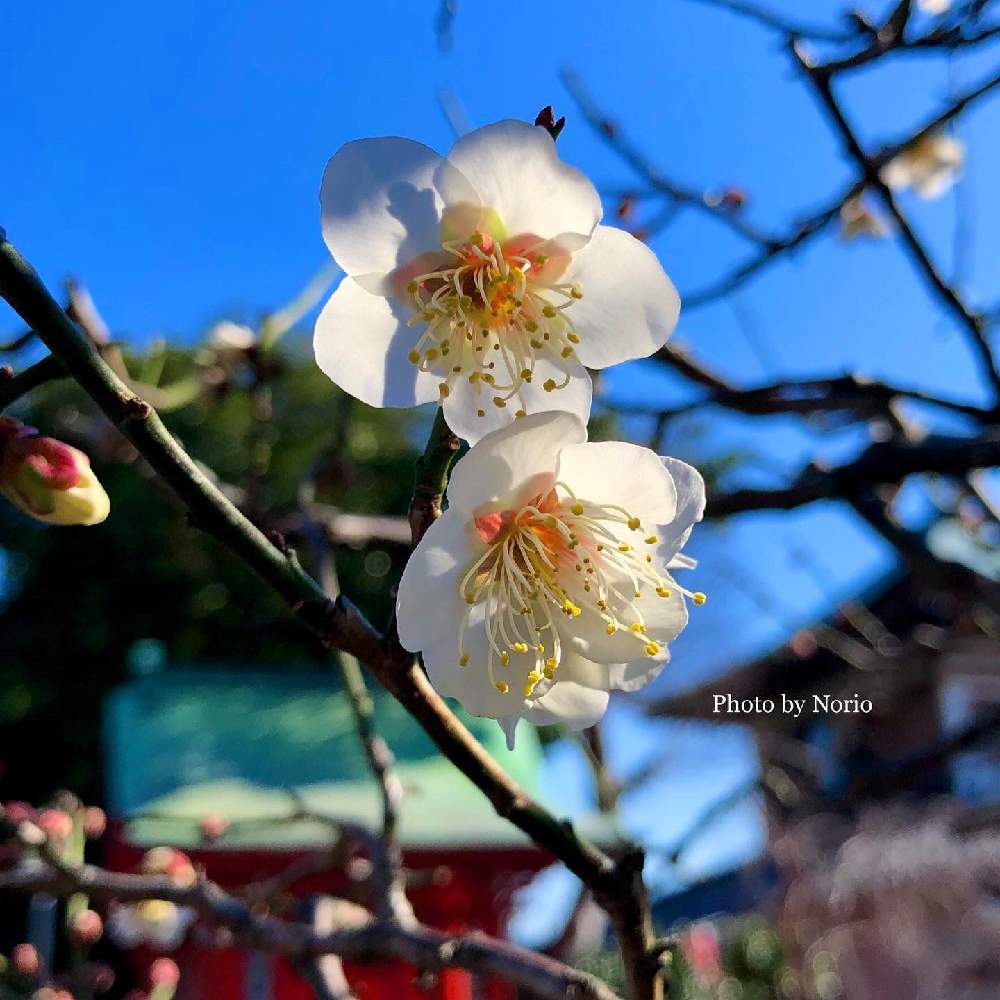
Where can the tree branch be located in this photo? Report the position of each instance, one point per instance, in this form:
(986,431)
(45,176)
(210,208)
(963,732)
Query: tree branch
(974,324)
(13,387)
(883,462)
(356,935)
(616,885)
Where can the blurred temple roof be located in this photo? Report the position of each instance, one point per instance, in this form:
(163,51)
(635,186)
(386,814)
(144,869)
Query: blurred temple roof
(258,748)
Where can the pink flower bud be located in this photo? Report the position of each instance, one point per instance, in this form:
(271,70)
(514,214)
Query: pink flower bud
(94,822)
(164,972)
(213,827)
(56,824)
(19,812)
(101,977)
(26,960)
(50,480)
(86,928)
(733,198)
(170,862)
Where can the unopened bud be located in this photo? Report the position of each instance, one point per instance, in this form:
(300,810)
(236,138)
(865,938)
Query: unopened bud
(56,824)
(26,960)
(213,827)
(94,822)
(164,972)
(48,479)
(86,927)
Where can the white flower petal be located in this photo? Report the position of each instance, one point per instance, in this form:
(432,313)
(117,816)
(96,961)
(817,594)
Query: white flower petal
(629,306)
(610,676)
(461,408)
(664,618)
(362,341)
(690,508)
(506,459)
(625,474)
(429,603)
(472,684)
(568,703)
(381,202)
(516,170)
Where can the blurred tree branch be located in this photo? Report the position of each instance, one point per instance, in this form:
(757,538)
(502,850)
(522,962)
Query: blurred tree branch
(617,884)
(353,933)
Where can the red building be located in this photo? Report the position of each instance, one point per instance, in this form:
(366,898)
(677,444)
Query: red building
(278,757)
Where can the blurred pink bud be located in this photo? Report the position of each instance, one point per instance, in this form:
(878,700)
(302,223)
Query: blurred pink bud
(701,949)
(214,826)
(101,977)
(803,644)
(625,205)
(733,198)
(94,822)
(164,972)
(56,824)
(170,862)
(26,960)
(19,812)
(50,480)
(86,927)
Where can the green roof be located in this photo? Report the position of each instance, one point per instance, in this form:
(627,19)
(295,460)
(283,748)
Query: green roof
(257,747)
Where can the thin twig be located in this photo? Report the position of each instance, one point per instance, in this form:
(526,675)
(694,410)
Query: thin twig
(616,885)
(974,324)
(13,387)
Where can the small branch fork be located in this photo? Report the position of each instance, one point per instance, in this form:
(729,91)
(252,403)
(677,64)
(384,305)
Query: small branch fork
(616,884)
(846,398)
(347,930)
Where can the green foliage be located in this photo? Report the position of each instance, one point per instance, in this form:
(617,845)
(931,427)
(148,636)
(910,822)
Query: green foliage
(76,600)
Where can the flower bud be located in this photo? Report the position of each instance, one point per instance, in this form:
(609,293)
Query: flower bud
(164,972)
(86,927)
(213,826)
(19,812)
(26,960)
(57,825)
(95,822)
(48,479)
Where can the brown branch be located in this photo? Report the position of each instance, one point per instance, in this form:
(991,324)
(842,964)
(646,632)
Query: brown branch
(777,22)
(861,396)
(651,174)
(974,324)
(883,462)
(616,885)
(355,935)
(13,387)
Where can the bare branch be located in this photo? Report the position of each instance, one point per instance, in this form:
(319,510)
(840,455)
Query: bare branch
(974,324)
(616,885)
(13,387)
(777,22)
(354,934)
(883,462)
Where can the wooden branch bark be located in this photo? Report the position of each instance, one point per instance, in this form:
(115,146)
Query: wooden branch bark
(356,935)
(617,885)
(883,462)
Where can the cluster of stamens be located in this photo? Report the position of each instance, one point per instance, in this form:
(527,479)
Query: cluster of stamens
(489,319)
(557,546)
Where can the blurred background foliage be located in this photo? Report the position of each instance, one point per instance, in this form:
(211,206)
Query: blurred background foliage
(265,421)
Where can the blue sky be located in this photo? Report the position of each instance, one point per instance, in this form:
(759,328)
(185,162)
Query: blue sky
(171,157)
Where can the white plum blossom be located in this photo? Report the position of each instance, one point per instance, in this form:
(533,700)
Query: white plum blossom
(858,219)
(930,166)
(545,584)
(481,280)
(934,6)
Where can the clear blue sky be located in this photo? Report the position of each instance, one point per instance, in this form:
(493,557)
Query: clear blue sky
(170,155)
